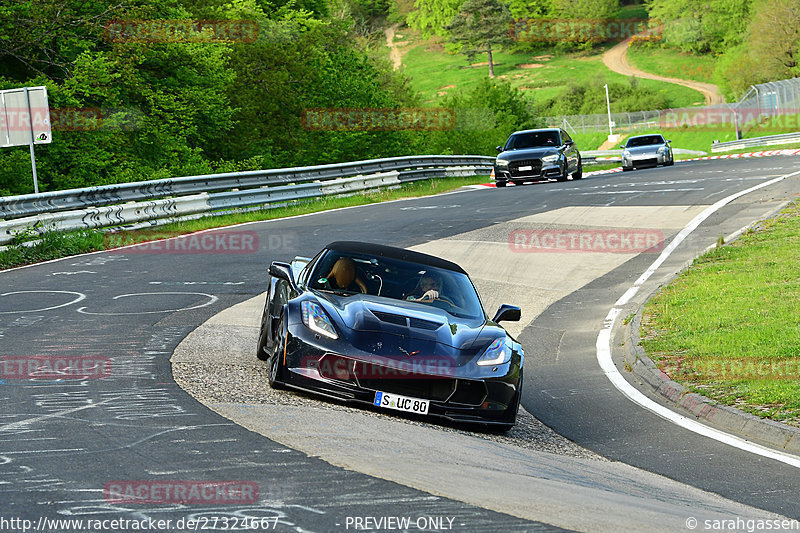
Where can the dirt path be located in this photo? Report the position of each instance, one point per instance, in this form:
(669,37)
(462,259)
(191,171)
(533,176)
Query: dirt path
(617,60)
(394,52)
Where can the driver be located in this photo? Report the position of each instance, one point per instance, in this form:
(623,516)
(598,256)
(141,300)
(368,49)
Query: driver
(427,289)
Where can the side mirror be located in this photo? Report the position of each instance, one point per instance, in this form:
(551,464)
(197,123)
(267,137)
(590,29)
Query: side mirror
(669,140)
(622,146)
(507,313)
(499,148)
(283,271)
(569,143)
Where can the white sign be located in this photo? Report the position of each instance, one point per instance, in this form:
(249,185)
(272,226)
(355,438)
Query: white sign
(24,117)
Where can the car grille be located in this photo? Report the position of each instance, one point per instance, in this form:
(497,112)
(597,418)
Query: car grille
(649,161)
(535,164)
(397,380)
(426,389)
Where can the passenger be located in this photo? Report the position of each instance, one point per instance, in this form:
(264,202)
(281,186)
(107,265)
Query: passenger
(343,276)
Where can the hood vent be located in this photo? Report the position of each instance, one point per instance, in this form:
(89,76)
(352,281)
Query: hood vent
(400,320)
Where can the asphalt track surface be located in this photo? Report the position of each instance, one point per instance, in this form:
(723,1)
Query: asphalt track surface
(63,441)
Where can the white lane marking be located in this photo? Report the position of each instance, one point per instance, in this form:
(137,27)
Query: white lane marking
(211,300)
(644,191)
(80,296)
(603,347)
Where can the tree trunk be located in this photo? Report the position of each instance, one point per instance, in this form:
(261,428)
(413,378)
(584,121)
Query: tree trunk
(491,64)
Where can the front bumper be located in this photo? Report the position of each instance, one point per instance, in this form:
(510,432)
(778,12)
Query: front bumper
(526,170)
(645,160)
(336,370)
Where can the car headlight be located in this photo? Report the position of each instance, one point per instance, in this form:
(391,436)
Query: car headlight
(626,154)
(501,162)
(662,150)
(550,158)
(497,353)
(316,320)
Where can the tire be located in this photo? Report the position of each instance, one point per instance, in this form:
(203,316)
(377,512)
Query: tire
(262,338)
(500,184)
(671,162)
(563,176)
(518,182)
(275,365)
(578,174)
(627,169)
(515,412)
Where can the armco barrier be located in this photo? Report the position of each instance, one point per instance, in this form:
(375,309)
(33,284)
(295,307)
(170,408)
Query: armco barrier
(128,203)
(785,138)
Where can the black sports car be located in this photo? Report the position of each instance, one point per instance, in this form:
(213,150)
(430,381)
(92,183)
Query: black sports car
(393,328)
(537,155)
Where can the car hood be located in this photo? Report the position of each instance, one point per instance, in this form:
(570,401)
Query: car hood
(528,153)
(649,149)
(387,327)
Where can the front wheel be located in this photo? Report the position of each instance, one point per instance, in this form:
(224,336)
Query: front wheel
(563,175)
(669,163)
(500,184)
(578,174)
(261,350)
(275,359)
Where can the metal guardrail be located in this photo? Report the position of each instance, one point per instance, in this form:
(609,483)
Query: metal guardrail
(785,138)
(156,200)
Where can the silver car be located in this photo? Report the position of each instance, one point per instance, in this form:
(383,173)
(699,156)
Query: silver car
(646,151)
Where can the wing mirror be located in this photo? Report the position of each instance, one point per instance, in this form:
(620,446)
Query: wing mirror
(669,140)
(283,271)
(622,146)
(499,148)
(507,313)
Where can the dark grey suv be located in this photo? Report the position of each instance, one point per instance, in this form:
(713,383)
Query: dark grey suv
(530,155)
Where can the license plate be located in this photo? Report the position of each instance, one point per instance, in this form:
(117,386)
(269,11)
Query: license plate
(525,168)
(401,403)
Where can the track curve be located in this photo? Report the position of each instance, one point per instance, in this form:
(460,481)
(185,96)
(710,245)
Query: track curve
(64,440)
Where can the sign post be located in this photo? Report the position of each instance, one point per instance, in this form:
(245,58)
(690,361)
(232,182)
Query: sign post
(25,119)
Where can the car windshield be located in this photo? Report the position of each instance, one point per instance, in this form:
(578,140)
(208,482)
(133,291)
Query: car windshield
(645,141)
(396,279)
(532,139)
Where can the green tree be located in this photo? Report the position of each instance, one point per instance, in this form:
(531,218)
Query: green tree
(770,52)
(433,16)
(478,26)
(585,9)
(701,27)
(485,116)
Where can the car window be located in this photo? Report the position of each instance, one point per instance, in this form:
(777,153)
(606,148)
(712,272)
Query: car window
(565,136)
(398,280)
(532,139)
(645,141)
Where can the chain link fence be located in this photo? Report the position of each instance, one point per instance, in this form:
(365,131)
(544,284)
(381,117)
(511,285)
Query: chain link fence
(761,103)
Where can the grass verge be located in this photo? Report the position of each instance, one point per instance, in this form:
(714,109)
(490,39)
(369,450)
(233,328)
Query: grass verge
(541,75)
(728,327)
(32,247)
(673,63)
